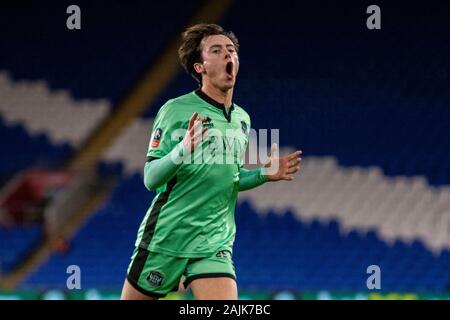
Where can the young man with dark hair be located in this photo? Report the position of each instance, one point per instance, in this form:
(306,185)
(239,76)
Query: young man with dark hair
(189,229)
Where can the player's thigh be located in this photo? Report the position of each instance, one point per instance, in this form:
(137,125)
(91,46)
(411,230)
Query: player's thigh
(213,277)
(221,288)
(130,293)
(153,274)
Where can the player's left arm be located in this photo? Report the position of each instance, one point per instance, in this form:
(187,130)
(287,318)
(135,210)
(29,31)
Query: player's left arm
(249,179)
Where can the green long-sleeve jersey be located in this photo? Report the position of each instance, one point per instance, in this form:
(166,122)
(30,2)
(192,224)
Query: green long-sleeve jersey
(192,215)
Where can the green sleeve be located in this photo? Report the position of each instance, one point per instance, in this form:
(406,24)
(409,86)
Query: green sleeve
(249,179)
(167,131)
(158,172)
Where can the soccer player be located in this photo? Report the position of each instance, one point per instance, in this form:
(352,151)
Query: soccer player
(189,229)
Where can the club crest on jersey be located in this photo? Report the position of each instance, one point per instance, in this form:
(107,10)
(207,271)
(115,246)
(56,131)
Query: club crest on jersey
(155,279)
(156,138)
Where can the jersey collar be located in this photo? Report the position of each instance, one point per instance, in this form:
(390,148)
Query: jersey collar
(215,103)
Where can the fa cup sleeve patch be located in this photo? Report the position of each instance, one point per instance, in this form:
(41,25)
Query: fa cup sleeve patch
(156,138)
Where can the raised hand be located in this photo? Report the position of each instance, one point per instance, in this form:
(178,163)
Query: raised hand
(194,135)
(282,168)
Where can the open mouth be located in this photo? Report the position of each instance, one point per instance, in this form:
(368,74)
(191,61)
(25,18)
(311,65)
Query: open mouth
(229,68)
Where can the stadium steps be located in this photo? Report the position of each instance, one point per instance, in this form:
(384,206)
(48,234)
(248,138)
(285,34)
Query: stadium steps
(30,102)
(155,80)
(362,198)
(129,148)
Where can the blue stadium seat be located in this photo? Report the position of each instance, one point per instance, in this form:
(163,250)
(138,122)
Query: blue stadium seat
(15,244)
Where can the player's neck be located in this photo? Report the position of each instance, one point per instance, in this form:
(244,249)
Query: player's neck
(223,97)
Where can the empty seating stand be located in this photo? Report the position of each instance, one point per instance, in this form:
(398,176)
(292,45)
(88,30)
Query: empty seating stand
(370,112)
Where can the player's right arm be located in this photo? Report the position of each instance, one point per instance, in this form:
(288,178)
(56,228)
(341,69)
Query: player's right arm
(159,170)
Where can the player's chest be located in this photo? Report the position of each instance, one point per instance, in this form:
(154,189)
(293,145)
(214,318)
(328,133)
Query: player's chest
(227,131)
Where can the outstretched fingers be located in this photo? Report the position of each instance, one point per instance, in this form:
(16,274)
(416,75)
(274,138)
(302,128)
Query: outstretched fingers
(200,136)
(192,120)
(294,155)
(292,169)
(195,133)
(295,162)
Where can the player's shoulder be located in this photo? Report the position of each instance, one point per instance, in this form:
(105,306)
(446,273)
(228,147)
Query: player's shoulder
(176,106)
(185,99)
(241,111)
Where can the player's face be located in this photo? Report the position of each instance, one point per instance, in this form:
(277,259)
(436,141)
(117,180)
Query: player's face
(220,62)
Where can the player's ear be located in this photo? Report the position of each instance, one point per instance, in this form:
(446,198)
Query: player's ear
(198,67)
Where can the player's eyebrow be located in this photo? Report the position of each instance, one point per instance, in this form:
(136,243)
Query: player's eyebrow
(220,46)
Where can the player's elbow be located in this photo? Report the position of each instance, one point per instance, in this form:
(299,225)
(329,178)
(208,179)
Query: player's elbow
(149,180)
(149,184)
